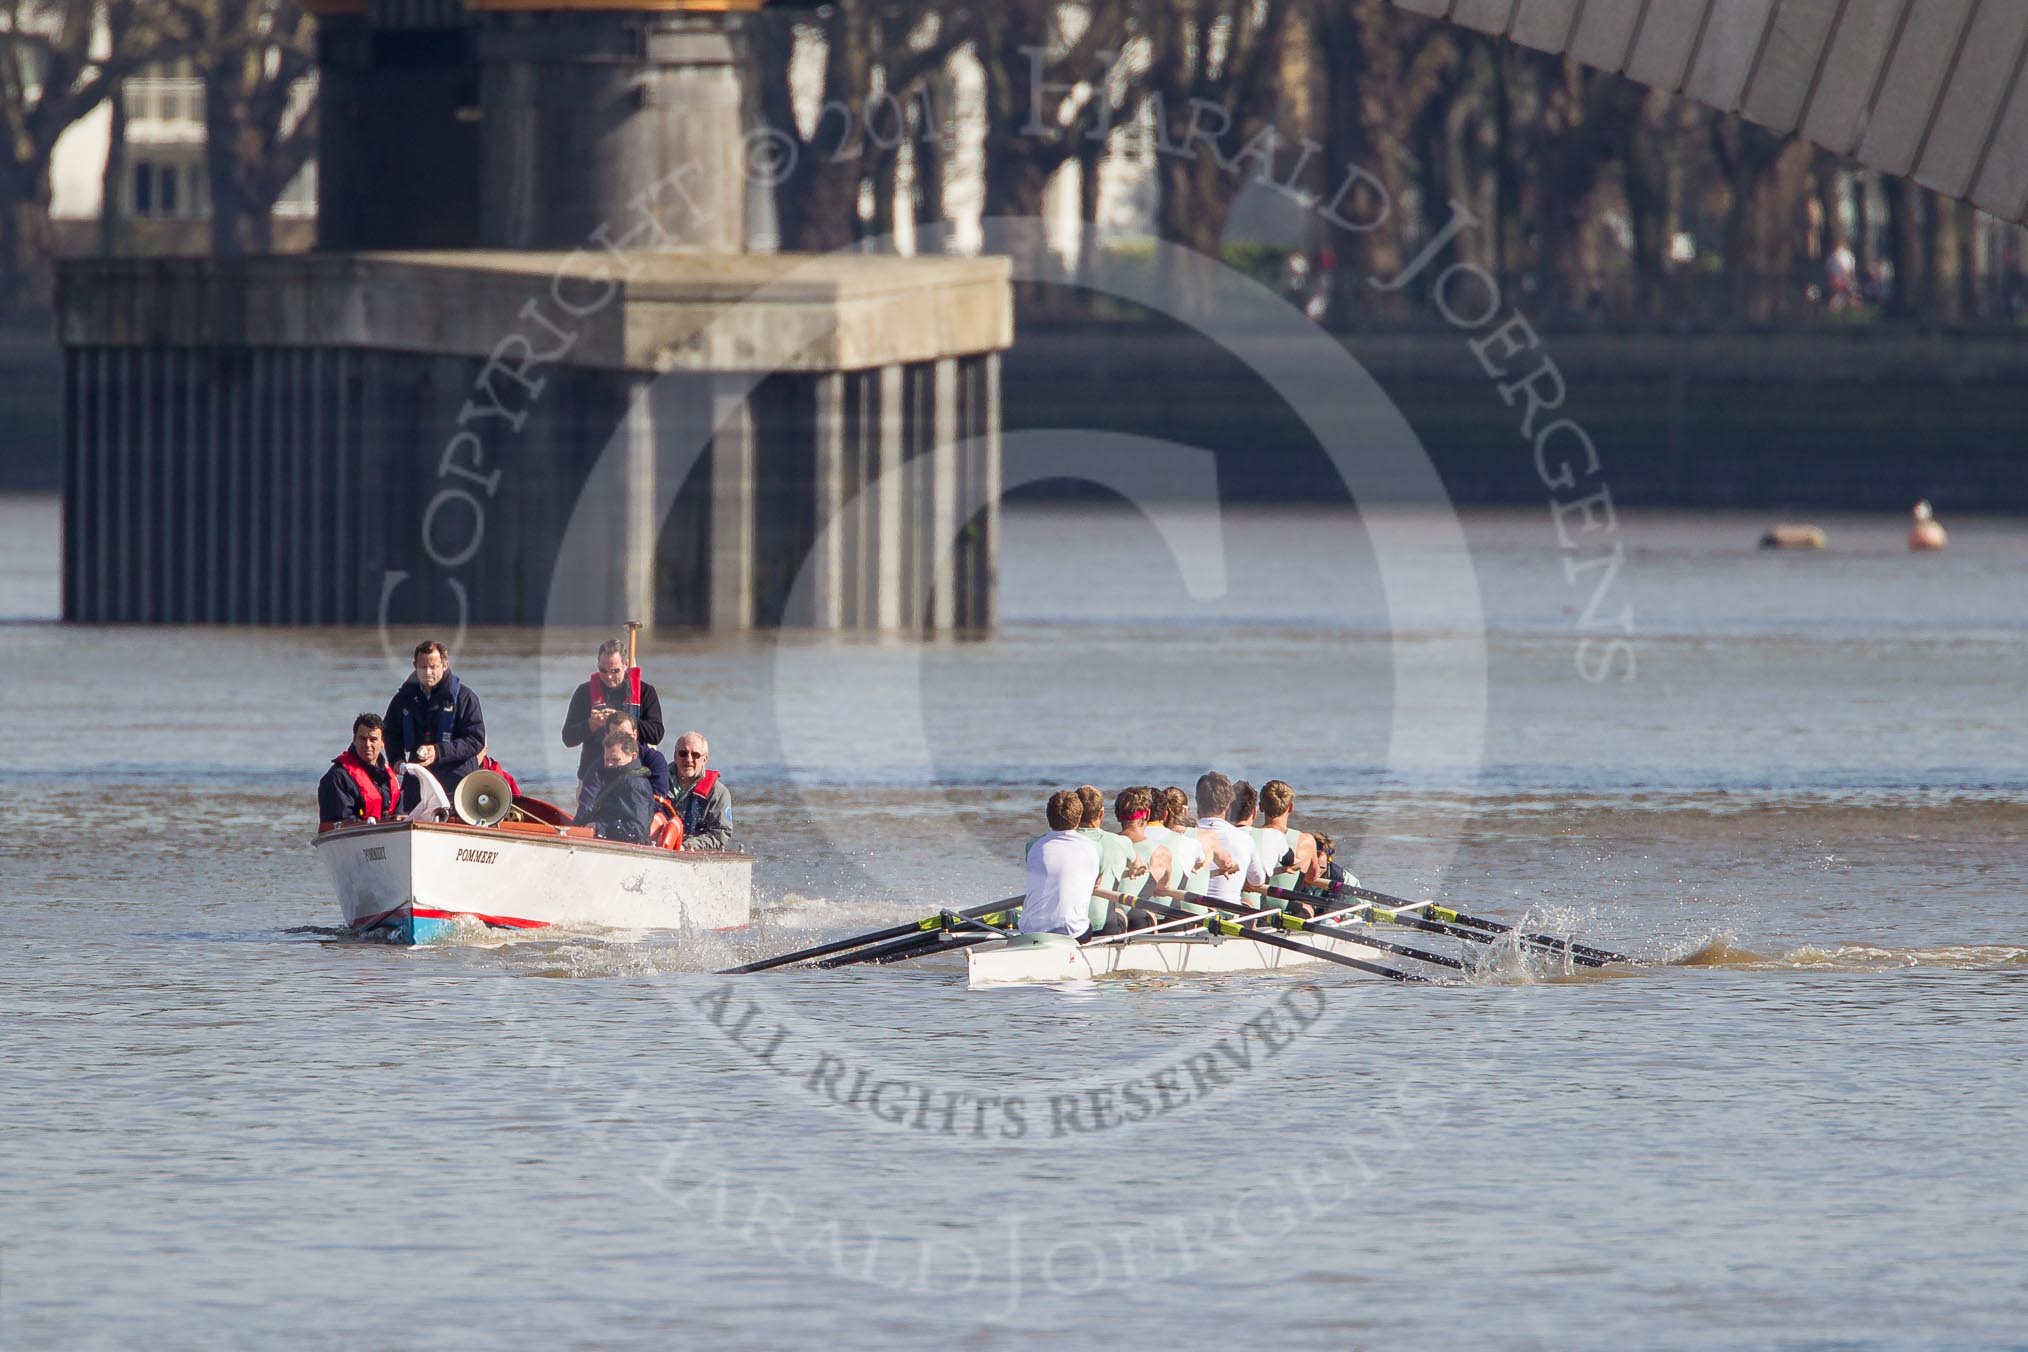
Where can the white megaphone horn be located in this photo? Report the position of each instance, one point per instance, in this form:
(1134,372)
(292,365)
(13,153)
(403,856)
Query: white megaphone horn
(484,798)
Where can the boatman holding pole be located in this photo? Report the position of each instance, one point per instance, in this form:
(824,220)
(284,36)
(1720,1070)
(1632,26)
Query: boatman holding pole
(615,688)
(1063,869)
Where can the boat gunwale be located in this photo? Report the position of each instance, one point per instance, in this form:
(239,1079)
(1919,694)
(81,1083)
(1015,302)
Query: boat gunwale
(363,830)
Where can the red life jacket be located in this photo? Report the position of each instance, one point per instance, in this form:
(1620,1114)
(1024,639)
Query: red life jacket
(378,797)
(513,785)
(690,806)
(633,706)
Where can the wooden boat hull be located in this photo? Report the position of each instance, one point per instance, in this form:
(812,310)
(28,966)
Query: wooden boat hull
(1053,958)
(419,882)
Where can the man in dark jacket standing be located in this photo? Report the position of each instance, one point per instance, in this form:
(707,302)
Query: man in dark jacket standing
(622,808)
(360,785)
(614,689)
(434,720)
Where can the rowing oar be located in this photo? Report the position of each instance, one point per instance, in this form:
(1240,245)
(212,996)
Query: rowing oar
(1218,924)
(1295,922)
(1584,953)
(938,939)
(1399,915)
(914,946)
(1188,921)
(914,930)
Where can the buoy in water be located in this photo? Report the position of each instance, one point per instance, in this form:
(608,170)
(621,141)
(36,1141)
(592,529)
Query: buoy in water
(1927,532)
(1794,535)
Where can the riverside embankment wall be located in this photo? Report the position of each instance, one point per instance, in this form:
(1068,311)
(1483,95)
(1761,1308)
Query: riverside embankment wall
(1860,417)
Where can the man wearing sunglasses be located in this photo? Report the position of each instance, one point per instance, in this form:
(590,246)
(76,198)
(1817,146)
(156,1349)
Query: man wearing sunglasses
(702,800)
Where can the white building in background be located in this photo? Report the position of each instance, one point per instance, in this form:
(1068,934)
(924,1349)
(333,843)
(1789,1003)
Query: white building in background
(165,178)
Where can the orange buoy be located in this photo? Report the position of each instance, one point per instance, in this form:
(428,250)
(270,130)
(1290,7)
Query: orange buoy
(1927,532)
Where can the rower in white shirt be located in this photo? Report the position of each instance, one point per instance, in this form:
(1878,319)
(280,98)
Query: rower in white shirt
(1214,799)
(1063,869)
(1195,854)
(1284,851)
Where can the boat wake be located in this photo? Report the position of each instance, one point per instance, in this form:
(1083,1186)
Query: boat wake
(1722,951)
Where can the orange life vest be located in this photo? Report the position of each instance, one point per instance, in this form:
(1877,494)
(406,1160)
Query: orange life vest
(378,795)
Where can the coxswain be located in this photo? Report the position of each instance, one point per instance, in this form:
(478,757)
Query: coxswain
(360,786)
(615,688)
(434,720)
(702,799)
(1063,870)
(1320,877)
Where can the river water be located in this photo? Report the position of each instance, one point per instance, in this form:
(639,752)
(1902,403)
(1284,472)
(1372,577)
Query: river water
(1798,1121)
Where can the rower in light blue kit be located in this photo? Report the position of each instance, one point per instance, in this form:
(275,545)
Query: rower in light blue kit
(1117,864)
(1134,807)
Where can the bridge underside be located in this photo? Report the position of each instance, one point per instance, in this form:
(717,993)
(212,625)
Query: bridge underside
(1925,89)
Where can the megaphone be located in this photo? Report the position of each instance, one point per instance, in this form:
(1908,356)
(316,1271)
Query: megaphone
(484,798)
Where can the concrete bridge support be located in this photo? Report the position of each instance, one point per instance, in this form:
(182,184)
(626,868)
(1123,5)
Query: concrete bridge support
(347,440)
(583,404)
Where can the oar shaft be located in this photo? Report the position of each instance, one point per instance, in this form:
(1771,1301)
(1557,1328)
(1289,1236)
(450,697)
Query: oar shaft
(901,950)
(1231,929)
(1394,916)
(1167,926)
(1584,953)
(1302,926)
(904,946)
(915,928)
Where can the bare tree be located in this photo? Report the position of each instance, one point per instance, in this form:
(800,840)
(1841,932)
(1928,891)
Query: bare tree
(1769,180)
(251,56)
(49,79)
(1053,93)
(878,58)
(1212,85)
(1653,147)
(1380,68)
